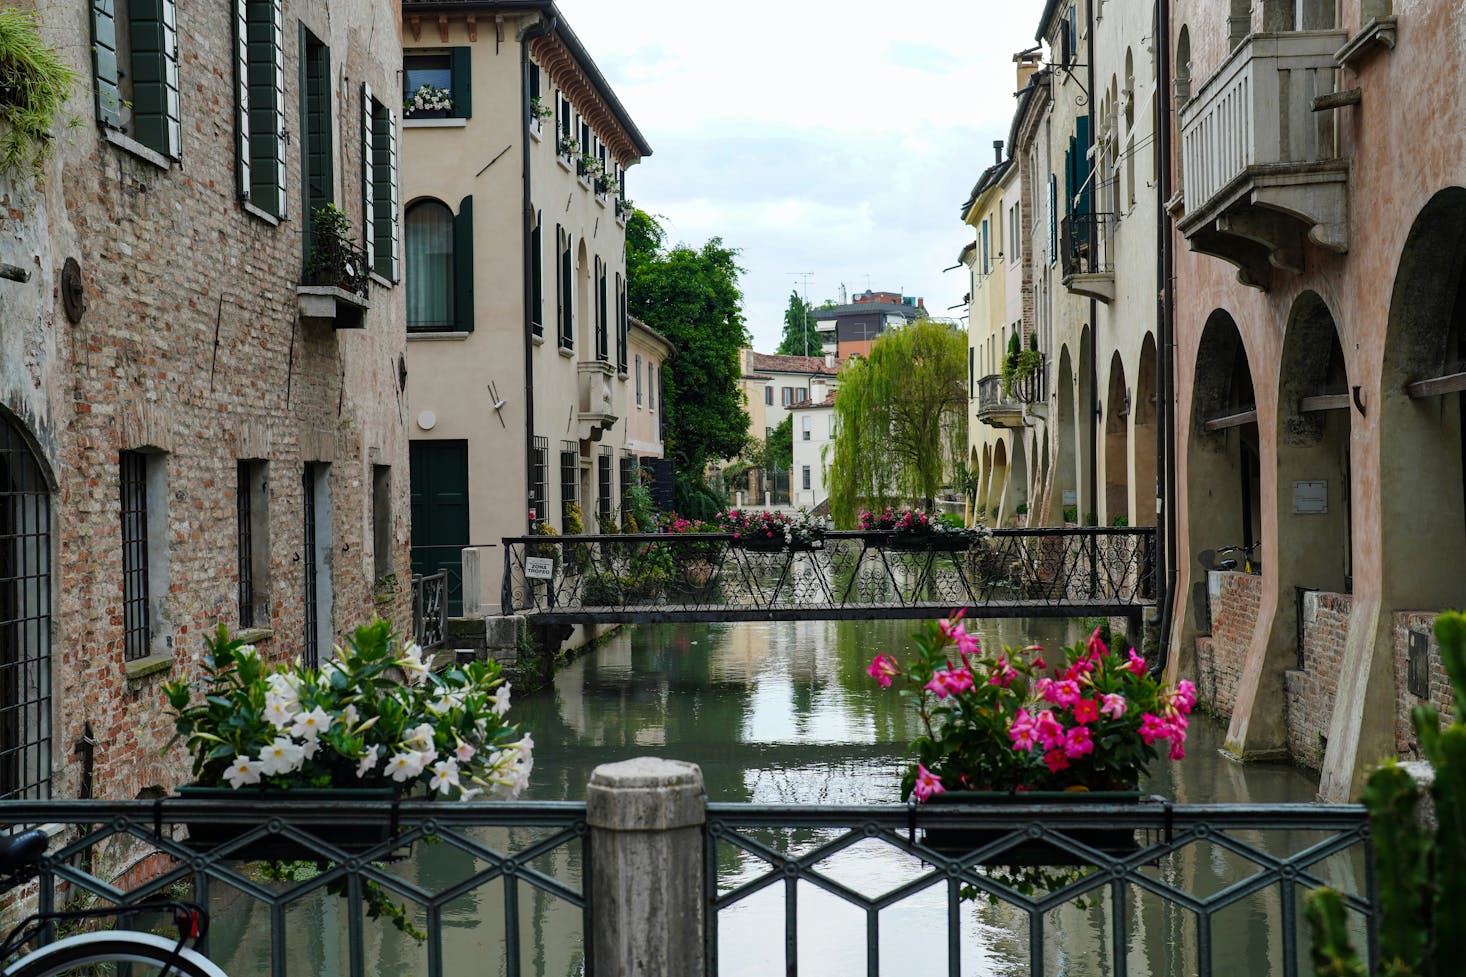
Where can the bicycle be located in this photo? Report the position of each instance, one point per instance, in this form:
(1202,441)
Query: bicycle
(135,952)
(1250,564)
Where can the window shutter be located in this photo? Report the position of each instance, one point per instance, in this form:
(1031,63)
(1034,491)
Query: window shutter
(463,265)
(559,287)
(104,63)
(241,94)
(154,62)
(1053,218)
(276,112)
(462,82)
(388,228)
(368,179)
(537,276)
(567,302)
(1082,164)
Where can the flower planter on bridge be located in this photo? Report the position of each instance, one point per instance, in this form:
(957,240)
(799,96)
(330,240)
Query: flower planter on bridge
(354,838)
(1032,851)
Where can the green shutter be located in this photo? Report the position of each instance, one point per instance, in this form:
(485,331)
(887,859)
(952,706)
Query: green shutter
(463,266)
(104,63)
(1083,165)
(241,95)
(266,58)
(368,180)
(537,276)
(154,61)
(384,191)
(462,82)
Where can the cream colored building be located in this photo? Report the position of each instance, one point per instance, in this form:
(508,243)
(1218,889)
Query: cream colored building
(814,436)
(645,414)
(514,254)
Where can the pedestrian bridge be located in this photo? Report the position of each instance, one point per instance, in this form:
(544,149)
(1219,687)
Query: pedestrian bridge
(1013,573)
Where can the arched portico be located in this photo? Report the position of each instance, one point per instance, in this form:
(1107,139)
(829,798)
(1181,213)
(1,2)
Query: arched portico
(1143,435)
(1117,446)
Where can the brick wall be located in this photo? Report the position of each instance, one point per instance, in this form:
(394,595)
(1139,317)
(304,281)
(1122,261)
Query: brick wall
(1441,694)
(191,345)
(1310,690)
(1220,657)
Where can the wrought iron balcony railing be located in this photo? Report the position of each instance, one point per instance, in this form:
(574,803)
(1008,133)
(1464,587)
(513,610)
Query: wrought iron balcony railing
(430,608)
(338,262)
(713,576)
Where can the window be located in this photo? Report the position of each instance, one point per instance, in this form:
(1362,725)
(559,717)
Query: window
(1014,237)
(537,276)
(382,562)
(534,96)
(804,476)
(444,68)
(565,289)
(628,482)
(135,64)
(768,395)
(569,481)
(651,386)
(622,325)
(537,479)
(986,265)
(316,572)
(564,124)
(586,145)
(603,487)
(440,267)
(379,185)
(25,620)
(971,373)
(804,430)
(316,132)
(259,74)
(832,426)
(252,532)
(144,497)
(1053,218)
(603,341)
(638,380)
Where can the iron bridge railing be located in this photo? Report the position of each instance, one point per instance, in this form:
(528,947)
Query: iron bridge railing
(430,608)
(1164,900)
(706,577)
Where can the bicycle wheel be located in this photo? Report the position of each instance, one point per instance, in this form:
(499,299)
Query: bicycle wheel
(113,952)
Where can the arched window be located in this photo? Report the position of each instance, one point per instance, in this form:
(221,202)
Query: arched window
(25,620)
(430,272)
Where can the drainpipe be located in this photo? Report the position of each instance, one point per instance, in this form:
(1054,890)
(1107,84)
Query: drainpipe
(1093,304)
(540,28)
(1165,334)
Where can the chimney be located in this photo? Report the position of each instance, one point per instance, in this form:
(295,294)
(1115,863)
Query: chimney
(830,359)
(997,150)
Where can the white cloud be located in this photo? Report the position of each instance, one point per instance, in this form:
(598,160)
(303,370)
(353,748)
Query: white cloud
(835,138)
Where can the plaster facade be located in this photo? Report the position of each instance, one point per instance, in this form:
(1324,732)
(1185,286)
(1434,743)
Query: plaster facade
(814,434)
(189,348)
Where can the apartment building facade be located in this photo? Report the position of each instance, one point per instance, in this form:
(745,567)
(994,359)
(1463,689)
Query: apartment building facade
(202,383)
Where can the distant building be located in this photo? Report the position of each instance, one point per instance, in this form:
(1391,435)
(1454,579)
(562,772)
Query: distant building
(814,432)
(774,384)
(849,330)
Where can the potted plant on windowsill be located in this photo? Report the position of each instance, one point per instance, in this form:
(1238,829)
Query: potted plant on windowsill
(538,110)
(568,147)
(334,260)
(1004,727)
(375,721)
(428,102)
(1020,368)
(588,167)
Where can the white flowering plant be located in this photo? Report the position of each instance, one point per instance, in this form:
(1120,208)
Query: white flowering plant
(375,715)
(428,98)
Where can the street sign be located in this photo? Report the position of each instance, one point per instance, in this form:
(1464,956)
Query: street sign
(539,567)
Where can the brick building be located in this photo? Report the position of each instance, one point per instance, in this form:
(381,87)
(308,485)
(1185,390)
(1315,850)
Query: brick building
(202,397)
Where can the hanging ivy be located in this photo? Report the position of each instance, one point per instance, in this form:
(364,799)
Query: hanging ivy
(34,85)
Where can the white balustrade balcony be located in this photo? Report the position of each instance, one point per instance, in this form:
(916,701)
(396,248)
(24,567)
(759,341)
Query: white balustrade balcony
(1261,167)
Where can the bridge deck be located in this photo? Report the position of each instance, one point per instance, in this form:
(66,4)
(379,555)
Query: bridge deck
(925,610)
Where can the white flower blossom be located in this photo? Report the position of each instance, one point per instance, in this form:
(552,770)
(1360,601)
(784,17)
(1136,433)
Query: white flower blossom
(281,756)
(309,725)
(367,763)
(279,710)
(350,716)
(244,771)
(445,775)
(420,737)
(500,700)
(405,765)
(465,752)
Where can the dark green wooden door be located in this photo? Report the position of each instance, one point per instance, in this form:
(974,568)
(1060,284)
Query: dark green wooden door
(440,512)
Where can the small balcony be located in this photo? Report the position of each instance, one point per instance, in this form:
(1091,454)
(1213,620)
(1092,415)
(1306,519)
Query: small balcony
(595,410)
(994,407)
(334,287)
(1084,253)
(1262,172)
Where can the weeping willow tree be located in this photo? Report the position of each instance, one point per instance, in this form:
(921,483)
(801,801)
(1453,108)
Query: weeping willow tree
(901,420)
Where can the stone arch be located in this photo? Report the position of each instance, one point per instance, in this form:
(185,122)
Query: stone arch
(584,304)
(1143,412)
(1223,483)
(1313,436)
(1117,444)
(26,604)
(1129,93)
(998,504)
(985,479)
(1423,438)
(1064,486)
(1045,475)
(1016,499)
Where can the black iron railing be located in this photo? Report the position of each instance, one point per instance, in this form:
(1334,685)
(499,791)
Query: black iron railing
(1084,244)
(1175,902)
(501,869)
(337,261)
(691,577)
(430,608)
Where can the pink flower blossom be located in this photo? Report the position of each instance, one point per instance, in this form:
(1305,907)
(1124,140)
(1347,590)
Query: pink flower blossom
(949,681)
(1185,695)
(1136,664)
(1086,711)
(1050,731)
(1063,693)
(1153,727)
(1022,732)
(1178,748)
(883,668)
(1003,673)
(1096,646)
(1078,743)
(1114,705)
(927,784)
(1056,760)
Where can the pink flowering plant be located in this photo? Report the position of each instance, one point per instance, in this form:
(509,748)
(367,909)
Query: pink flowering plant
(918,523)
(376,714)
(772,528)
(1089,718)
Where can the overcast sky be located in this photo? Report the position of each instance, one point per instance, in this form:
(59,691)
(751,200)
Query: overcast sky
(837,138)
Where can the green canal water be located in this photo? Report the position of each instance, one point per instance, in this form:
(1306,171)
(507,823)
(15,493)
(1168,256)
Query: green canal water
(784,713)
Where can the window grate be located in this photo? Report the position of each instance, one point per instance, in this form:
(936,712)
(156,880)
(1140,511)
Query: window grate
(603,478)
(628,479)
(245,534)
(569,480)
(1417,672)
(25,622)
(137,624)
(538,479)
(311,649)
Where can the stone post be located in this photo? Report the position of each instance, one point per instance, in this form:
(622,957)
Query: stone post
(472,581)
(645,817)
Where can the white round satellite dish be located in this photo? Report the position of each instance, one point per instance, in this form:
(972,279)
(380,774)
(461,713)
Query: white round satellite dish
(427,420)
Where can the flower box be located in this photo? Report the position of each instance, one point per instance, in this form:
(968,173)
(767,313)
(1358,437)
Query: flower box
(1031,851)
(353,838)
(940,542)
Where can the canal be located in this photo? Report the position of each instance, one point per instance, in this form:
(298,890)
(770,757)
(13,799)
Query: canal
(784,713)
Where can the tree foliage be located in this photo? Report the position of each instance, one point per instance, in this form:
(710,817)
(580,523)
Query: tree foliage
(800,337)
(777,452)
(691,296)
(901,419)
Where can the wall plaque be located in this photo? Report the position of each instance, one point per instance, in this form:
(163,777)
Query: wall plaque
(539,567)
(1310,498)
